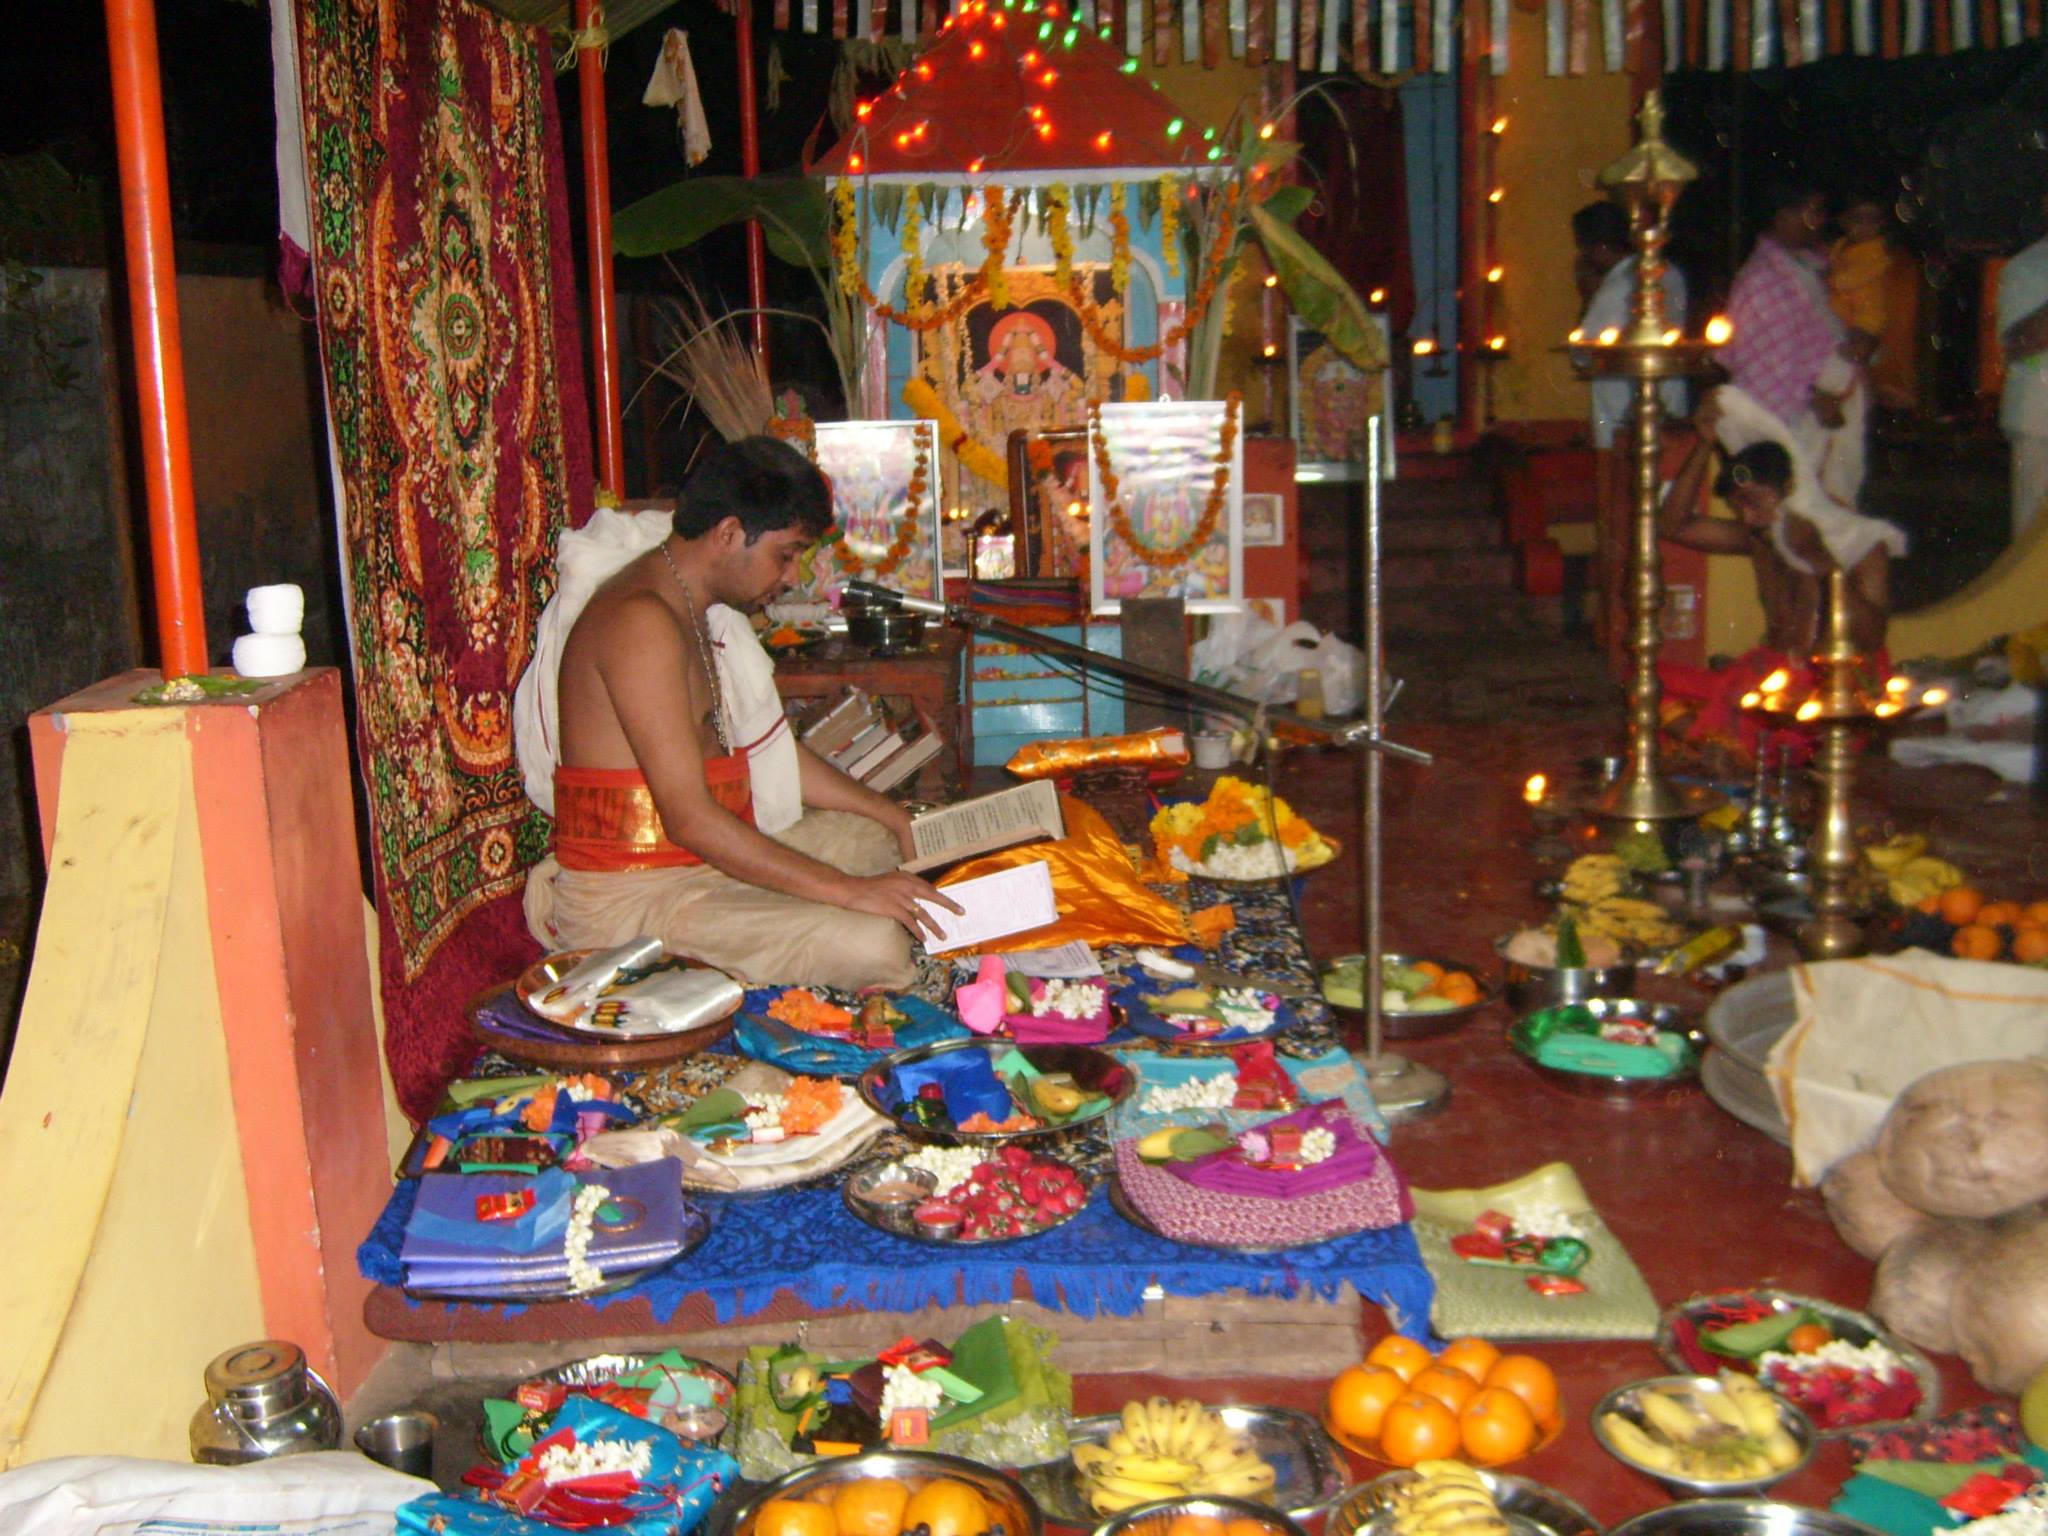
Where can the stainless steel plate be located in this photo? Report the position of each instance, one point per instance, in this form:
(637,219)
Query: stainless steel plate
(1530,1508)
(1740,1517)
(1411,1023)
(1092,1070)
(899,1220)
(1844,1322)
(1626,1401)
(1744,1094)
(1011,1507)
(1308,1478)
(1622,1010)
(599,1370)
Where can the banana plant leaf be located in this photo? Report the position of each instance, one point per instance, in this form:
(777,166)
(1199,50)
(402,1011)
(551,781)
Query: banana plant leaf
(793,211)
(1318,293)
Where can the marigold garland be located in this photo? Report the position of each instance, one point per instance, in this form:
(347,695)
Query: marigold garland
(1236,812)
(1119,515)
(1119,241)
(975,457)
(1058,204)
(906,525)
(1169,223)
(914,276)
(846,236)
(1198,305)
(996,214)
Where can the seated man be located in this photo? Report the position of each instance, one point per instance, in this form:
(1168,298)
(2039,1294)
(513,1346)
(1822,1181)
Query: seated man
(662,728)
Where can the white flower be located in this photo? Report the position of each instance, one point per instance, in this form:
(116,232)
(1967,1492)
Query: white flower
(949,1166)
(583,1275)
(1540,1218)
(1317,1146)
(2026,1515)
(904,1388)
(1265,860)
(1872,1357)
(1194,1093)
(594,1458)
(1069,999)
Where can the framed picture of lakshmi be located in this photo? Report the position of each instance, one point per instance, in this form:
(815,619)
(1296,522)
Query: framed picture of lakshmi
(1335,408)
(885,511)
(1166,495)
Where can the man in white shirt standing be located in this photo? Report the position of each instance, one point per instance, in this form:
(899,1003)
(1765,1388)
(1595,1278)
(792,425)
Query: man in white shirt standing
(1605,272)
(2023,412)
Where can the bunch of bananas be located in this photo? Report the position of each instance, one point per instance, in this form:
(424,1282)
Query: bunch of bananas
(1169,1450)
(1631,923)
(1592,877)
(1446,1498)
(1915,877)
(1733,1436)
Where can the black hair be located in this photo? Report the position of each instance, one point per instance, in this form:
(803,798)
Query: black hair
(1601,223)
(1787,192)
(762,481)
(1766,464)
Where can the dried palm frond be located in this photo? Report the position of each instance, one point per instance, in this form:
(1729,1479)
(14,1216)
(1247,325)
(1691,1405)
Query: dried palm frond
(709,360)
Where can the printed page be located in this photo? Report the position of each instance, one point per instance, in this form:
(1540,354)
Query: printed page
(1068,961)
(986,823)
(1006,902)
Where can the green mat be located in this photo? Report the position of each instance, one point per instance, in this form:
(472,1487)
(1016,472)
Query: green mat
(1495,1303)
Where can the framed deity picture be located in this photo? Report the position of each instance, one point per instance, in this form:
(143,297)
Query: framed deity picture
(1265,520)
(1165,502)
(1334,408)
(1049,500)
(885,511)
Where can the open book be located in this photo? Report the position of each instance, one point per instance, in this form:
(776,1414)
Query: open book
(1022,814)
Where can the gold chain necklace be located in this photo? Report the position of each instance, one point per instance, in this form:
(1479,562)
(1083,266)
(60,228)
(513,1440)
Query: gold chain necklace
(704,657)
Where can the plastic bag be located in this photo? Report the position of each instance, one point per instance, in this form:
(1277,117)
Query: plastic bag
(1246,654)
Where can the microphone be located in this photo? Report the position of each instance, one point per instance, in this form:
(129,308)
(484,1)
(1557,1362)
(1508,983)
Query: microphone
(888,597)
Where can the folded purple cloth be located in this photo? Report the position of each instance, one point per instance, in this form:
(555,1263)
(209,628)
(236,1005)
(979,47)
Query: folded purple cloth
(436,1253)
(1354,1161)
(1051,1029)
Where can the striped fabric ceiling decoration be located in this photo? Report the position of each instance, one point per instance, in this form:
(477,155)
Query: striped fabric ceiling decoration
(1389,37)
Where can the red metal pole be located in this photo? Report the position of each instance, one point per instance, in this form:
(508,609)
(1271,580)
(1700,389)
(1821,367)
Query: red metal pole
(750,167)
(159,353)
(597,218)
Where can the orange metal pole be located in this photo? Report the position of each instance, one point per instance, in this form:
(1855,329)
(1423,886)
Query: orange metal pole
(750,167)
(159,353)
(597,218)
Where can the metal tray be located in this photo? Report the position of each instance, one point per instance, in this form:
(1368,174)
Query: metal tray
(897,1221)
(1530,1508)
(1844,1322)
(1093,1070)
(1414,1024)
(1309,1478)
(696,1227)
(1626,1402)
(1741,1517)
(1594,1085)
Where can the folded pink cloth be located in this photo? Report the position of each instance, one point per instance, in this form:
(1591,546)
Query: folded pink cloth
(1054,1029)
(1228,1173)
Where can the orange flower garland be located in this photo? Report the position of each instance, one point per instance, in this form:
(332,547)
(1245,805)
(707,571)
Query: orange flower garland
(1198,306)
(995,239)
(1219,493)
(906,525)
(1119,241)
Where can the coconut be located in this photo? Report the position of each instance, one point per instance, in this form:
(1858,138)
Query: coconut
(1914,1294)
(1869,1217)
(1969,1140)
(2001,1303)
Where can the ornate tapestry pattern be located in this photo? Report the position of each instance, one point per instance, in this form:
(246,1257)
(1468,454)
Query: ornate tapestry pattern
(447,333)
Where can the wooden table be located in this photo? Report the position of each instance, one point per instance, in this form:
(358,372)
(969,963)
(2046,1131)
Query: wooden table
(933,677)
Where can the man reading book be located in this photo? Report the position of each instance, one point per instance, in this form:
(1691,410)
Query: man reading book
(683,806)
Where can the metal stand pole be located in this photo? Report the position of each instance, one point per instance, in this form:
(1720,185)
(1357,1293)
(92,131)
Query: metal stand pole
(1403,1090)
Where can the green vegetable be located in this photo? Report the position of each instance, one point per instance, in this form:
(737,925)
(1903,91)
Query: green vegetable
(1571,953)
(1745,1341)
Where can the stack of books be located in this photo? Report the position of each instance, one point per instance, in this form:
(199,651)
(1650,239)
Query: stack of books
(860,736)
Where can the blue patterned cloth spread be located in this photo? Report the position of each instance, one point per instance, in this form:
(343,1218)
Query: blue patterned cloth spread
(770,1040)
(806,1242)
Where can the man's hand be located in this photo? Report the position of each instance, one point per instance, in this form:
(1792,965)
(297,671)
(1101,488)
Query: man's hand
(1827,408)
(1707,414)
(896,895)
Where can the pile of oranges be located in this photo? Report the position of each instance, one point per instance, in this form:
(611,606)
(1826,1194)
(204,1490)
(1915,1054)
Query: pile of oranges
(1991,930)
(1188,1524)
(1471,1401)
(876,1506)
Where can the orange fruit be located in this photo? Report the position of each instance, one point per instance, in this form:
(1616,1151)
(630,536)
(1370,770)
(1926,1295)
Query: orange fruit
(946,1507)
(1196,1525)
(1929,903)
(1360,1396)
(1474,1357)
(1418,1428)
(1998,914)
(1973,941)
(1458,988)
(1447,1384)
(1429,968)
(1399,1354)
(2030,945)
(1530,1380)
(794,1517)
(2036,914)
(1497,1426)
(1959,904)
(1244,1525)
(870,1506)
(1807,1337)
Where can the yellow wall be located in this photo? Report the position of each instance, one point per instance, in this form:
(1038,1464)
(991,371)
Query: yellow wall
(130,1262)
(2012,595)
(1561,131)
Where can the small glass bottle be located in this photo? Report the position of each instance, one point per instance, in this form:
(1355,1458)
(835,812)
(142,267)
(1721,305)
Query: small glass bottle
(1308,695)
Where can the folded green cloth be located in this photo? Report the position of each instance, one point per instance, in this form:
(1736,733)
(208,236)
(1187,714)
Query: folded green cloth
(1570,1052)
(1904,1497)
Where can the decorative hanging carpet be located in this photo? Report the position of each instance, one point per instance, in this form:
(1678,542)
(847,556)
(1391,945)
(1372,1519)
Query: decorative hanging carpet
(448,337)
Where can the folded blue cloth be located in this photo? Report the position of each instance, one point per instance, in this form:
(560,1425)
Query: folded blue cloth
(967,1078)
(682,1483)
(770,1040)
(447,1248)
(446,1213)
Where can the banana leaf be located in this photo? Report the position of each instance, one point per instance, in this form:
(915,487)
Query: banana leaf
(793,210)
(1318,293)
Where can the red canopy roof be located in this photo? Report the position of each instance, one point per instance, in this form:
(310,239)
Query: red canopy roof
(1017,89)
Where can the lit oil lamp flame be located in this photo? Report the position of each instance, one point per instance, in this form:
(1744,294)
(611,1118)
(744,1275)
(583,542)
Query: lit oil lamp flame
(1576,335)
(1751,699)
(1934,696)
(1670,336)
(1776,681)
(1718,331)
(1897,685)
(1534,790)
(1610,336)
(1886,708)
(1810,710)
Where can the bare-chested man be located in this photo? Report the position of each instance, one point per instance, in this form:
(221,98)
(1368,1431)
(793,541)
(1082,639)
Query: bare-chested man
(653,804)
